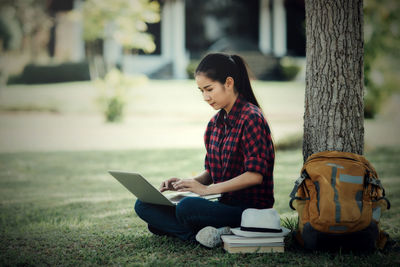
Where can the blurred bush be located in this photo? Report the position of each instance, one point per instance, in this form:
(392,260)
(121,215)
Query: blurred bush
(372,103)
(114,93)
(289,73)
(291,142)
(122,21)
(288,69)
(381,53)
(65,72)
(191,68)
(25,26)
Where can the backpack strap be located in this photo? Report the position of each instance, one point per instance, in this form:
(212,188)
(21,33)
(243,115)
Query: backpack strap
(377,183)
(297,183)
(387,202)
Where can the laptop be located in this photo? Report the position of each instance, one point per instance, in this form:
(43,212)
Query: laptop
(146,192)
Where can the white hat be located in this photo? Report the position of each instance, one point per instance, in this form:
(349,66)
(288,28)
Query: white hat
(260,223)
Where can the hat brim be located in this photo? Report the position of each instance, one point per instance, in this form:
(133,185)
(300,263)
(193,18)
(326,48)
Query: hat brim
(239,232)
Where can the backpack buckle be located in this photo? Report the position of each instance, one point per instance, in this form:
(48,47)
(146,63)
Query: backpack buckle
(297,183)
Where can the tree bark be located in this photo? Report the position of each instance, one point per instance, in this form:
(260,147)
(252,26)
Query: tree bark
(334,117)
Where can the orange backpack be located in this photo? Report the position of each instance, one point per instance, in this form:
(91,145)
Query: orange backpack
(338,193)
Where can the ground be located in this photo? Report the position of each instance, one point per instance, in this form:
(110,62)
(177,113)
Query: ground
(58,205)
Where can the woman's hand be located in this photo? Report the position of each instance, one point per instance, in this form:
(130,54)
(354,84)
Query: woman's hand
(168,184)
(190,185)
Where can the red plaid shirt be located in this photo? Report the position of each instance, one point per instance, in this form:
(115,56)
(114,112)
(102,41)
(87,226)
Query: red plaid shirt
(240,142)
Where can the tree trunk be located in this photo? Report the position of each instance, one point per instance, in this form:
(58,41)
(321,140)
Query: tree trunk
(334,117)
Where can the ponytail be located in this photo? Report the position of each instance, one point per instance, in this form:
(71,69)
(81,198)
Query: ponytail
(244,86)
(219,66)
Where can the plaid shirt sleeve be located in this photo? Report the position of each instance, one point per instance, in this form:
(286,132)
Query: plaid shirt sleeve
(255,145)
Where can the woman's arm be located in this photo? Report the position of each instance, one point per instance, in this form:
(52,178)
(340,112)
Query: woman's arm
(203,178)
(242,181)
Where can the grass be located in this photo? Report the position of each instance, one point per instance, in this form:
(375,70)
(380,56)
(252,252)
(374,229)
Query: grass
(62,208)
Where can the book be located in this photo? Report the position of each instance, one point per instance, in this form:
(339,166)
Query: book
(235,239)
(254,249)
(239,244)
(235,245)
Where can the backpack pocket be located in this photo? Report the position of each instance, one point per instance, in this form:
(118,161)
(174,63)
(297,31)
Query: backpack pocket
(336,196)
(350,198)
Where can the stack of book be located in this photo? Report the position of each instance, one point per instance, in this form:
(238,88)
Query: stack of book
(240,244)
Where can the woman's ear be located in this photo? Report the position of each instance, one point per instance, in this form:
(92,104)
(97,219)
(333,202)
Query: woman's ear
(229,83)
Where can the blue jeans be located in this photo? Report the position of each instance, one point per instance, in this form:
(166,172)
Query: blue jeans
(188,217)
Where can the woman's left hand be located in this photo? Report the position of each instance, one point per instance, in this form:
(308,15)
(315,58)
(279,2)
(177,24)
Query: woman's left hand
(191,185)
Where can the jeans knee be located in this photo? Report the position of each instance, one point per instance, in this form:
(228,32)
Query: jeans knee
(139,207)
(185,209)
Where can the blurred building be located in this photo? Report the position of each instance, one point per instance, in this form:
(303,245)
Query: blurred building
(262,31)
(66,41)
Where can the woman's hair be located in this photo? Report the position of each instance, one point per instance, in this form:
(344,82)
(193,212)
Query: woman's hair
(219,66)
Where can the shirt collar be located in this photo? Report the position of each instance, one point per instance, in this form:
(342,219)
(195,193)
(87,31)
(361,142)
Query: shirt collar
(233,115)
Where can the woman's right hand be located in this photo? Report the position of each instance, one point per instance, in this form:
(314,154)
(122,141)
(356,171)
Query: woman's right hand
(168,184)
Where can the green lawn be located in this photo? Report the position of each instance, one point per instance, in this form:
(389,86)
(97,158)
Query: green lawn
(62,208)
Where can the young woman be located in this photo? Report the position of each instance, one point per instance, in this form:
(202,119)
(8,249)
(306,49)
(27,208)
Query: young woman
(239,162)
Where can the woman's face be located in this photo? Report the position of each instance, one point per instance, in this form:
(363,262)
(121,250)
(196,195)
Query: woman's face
(216,94)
